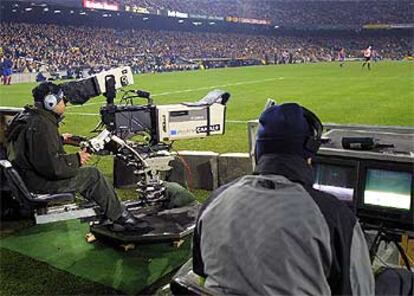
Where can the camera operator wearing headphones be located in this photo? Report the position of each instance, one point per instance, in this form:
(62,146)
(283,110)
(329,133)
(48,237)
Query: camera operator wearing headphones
(36,150)
(271,233)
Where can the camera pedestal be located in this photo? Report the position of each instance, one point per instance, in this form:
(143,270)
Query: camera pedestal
(170,225)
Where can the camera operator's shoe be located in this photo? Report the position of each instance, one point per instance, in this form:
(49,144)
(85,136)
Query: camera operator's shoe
(128,222)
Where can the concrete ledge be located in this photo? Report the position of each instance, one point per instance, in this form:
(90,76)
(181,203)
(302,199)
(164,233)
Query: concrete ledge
(123,175)
(233,166)
(203,166)
(207,170)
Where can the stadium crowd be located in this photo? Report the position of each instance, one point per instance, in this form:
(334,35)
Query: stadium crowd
(39,47)
(285,12)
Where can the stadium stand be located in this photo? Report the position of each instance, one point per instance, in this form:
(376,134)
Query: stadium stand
(41,47)
(36,47)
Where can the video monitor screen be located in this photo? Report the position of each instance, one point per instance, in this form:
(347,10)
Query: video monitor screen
(134,121)
(338,180)
(386,188)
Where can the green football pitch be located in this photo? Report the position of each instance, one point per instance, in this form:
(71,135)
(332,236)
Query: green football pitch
(352,95)
(382,96)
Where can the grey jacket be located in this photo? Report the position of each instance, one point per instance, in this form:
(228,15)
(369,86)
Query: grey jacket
(273,234)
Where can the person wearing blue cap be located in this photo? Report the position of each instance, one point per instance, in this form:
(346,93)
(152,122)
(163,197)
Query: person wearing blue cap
(271,233)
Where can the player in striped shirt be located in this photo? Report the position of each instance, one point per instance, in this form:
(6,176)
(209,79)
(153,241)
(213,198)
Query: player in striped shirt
(367,57)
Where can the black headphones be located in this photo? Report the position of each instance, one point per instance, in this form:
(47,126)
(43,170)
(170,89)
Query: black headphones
(53,98)
(313,142)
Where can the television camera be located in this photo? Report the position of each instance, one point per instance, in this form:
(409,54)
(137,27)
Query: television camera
(142,134)
(157,126)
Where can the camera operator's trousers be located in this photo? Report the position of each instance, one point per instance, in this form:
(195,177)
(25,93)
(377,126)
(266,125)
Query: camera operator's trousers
(90,183)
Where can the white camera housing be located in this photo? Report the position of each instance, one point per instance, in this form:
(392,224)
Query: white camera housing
(122,75)
(180,121)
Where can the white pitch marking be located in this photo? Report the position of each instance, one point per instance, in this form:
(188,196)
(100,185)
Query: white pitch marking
(191,90)
(97,114)
(82,114)
(237,121)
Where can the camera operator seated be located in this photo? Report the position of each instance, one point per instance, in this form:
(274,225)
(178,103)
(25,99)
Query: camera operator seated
(271,233)
(36,150)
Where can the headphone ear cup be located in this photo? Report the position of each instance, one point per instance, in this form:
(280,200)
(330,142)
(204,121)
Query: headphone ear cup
(313,142)
(50,102)
(312,145)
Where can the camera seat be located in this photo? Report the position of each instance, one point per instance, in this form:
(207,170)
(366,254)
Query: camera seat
(186,285)
(24,197)
(186,282)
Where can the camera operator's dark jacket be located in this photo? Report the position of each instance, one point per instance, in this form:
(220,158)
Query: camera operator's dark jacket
(36,148)
(273,234)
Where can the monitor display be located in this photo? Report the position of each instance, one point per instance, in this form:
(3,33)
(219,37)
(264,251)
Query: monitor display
(338,180)
(385,188)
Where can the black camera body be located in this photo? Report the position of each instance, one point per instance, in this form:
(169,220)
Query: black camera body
(127,121)
(80,91)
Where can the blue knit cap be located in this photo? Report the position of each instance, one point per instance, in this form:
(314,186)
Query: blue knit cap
(283,129)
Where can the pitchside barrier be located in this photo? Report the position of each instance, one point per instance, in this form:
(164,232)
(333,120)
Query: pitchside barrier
(207,170)
(23,77)
(196,169)
(31,77)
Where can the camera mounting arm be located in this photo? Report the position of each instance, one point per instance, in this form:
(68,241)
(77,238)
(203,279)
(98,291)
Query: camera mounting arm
(98,143)
(150,187)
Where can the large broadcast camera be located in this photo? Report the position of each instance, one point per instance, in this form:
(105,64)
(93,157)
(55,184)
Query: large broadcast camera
(156,126)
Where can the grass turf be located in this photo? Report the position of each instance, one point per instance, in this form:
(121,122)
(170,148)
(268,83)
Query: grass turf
(62,246)
(22,275)
(383,96)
